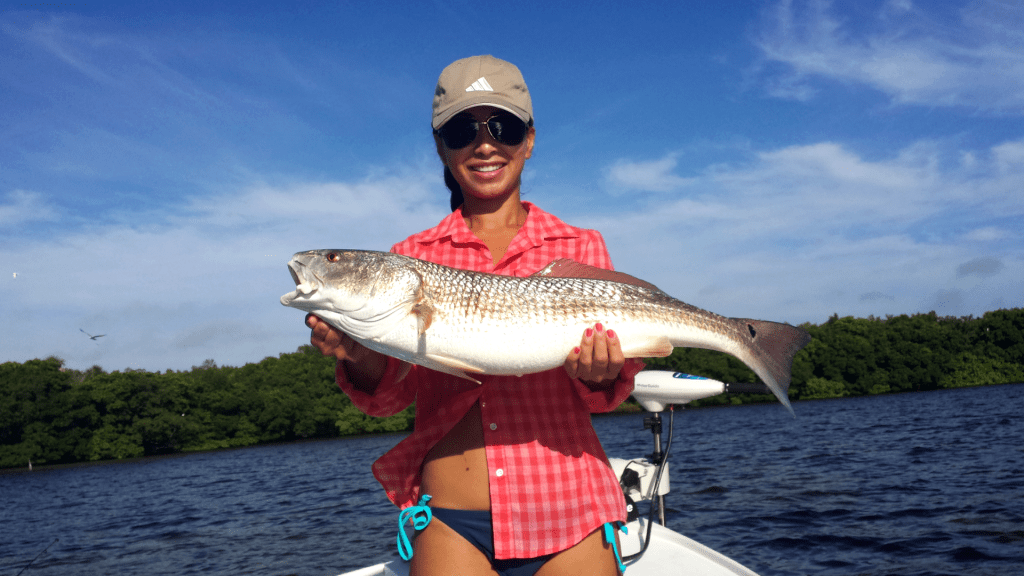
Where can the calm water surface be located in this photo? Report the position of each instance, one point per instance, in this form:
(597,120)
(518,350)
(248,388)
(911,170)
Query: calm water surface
(916,484)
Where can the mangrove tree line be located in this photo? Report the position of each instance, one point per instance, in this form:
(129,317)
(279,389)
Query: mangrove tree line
(49,414)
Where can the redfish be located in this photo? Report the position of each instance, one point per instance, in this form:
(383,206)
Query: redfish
(471,323)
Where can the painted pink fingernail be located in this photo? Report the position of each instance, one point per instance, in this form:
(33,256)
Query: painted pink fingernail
(599,327)
(610,333)
(589,332)
(576,350)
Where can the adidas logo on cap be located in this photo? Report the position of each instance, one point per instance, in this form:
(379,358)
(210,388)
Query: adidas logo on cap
(481,85)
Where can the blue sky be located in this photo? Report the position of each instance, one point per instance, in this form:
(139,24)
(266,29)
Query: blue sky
(775,160)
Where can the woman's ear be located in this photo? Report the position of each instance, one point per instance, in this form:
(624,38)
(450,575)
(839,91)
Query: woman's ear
(530,133)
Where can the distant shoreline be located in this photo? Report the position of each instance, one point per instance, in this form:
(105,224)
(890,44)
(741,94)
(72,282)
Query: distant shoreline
(53,415)
(624,409)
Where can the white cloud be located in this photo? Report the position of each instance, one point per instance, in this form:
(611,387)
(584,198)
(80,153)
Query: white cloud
(981,267)
(22,206)
(987,234)
(800,232)
(1010,157)
(202,284)
(53,36)
(646,176)
(793,234)
(905,52)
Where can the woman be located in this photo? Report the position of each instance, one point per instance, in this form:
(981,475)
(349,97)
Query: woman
(515,477)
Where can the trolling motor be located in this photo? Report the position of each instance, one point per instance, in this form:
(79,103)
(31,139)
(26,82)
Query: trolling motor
(643,479)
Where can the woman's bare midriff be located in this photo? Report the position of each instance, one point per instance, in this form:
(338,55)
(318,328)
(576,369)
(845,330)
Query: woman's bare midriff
(455,469)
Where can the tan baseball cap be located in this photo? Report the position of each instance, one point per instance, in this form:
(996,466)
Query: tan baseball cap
(480,81)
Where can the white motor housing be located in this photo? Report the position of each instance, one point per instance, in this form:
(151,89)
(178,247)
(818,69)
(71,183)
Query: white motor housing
(656,389)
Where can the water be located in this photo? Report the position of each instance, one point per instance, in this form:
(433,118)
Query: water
(916,484)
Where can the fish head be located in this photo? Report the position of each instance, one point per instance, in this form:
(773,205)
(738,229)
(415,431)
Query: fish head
(337,280)
(359,292)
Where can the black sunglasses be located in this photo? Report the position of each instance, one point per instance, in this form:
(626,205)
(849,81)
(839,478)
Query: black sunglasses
(506,128)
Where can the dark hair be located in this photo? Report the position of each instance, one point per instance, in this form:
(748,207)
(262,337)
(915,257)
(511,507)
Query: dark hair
(456,190)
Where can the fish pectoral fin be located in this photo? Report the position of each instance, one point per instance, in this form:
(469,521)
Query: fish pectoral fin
(653,347)
(424,316)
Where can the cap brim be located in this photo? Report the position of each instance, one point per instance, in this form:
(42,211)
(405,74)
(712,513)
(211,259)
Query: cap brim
(484,99)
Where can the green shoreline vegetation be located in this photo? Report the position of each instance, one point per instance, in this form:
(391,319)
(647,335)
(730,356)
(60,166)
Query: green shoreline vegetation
(53,415)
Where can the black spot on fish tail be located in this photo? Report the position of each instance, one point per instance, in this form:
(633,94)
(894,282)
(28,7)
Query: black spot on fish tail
(774,345)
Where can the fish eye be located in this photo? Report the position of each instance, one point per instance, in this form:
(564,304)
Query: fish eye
(333,257)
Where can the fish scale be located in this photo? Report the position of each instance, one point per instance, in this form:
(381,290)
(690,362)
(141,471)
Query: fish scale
(470,324)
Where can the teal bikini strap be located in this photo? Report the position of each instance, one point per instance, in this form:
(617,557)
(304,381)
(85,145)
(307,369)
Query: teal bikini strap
(609,537)
(421,516)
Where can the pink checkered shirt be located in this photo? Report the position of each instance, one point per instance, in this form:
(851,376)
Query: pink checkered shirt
(550,483)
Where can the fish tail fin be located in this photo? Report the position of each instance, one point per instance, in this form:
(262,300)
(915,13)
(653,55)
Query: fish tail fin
(771,347)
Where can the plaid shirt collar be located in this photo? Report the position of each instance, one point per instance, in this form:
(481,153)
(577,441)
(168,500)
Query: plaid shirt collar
(539,226)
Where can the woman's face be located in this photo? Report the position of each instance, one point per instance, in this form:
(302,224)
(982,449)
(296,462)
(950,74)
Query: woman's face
(486,168)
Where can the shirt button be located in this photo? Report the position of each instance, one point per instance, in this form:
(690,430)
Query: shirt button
(494,426)
(499,472)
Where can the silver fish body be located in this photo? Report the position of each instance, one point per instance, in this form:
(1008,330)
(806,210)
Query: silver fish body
(465,323)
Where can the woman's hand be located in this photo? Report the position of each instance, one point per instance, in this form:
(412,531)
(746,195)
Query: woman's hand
(598,359)
(364,367)
(330,341)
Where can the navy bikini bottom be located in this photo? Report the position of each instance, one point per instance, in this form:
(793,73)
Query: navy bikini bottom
(475,527)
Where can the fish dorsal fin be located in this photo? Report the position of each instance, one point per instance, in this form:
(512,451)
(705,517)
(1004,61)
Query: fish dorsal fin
(568,268)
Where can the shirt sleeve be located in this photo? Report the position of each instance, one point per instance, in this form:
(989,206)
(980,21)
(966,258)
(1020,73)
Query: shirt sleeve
(390,398)
(598,401)
(593,250)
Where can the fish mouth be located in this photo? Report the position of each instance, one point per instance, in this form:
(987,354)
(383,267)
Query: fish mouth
(306,282)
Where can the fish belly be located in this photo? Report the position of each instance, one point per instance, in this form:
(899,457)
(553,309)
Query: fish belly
(517,348)
(484,348)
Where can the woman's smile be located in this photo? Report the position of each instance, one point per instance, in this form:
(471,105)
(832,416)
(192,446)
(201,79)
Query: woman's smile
(488,171)
(486,168)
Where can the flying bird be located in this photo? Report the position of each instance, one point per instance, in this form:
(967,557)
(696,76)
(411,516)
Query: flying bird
(91,337)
